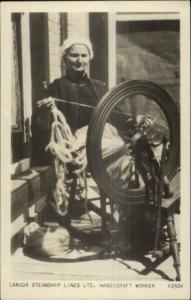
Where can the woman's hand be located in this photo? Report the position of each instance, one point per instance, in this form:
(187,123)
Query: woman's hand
(47,103)
(44,114)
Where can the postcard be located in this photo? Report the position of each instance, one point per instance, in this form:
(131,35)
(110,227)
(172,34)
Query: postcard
(95,157)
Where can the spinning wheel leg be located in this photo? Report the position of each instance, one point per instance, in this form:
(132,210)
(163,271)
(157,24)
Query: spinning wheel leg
(72,195)
(173,243)
(103,216)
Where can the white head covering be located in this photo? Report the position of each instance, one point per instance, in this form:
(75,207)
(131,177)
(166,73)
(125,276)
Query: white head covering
(69,42)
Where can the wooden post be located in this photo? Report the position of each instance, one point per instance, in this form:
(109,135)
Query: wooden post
(173,242)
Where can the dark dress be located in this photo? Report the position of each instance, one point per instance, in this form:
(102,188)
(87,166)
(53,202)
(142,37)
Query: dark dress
(80,89)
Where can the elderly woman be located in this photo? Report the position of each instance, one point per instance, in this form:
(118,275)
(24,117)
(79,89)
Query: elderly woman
(75,87)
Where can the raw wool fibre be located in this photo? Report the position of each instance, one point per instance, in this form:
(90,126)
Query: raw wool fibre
(52,243)
(45,242)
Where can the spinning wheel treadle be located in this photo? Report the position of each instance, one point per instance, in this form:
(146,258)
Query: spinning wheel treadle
(131,99)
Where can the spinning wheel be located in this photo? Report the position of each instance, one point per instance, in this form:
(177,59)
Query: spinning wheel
(126,107)
(143,125)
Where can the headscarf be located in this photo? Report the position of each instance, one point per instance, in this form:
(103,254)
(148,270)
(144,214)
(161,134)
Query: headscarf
(69,42)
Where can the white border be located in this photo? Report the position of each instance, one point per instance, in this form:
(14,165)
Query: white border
(162,291)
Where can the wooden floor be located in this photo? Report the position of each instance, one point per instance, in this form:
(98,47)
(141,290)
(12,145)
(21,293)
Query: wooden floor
(25,268)
(93,268)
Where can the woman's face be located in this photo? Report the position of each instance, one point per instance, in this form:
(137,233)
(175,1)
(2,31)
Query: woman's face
(77,59)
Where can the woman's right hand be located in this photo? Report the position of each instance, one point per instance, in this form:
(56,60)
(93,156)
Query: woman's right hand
(47,103)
